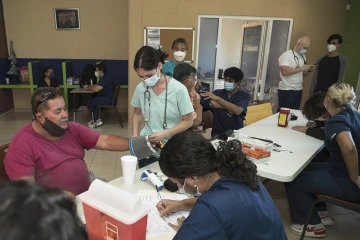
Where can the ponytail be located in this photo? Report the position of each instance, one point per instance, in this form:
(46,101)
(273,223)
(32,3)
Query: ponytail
(232,162)
(162,55)
(187,154)
(148,58)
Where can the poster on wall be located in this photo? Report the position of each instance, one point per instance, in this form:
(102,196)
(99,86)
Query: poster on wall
(67,18)
(154,38)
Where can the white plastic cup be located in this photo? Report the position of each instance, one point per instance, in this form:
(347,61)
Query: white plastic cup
(128,164)
(7,80)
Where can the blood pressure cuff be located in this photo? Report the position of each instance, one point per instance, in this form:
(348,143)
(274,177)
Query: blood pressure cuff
(141,147)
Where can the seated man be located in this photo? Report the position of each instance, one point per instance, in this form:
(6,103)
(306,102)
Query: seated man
(230,104)
(50,150)
(106,90)
(45,213)
(186,74)
(314,110)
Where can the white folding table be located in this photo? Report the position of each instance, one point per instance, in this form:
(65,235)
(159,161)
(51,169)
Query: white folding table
(284,166)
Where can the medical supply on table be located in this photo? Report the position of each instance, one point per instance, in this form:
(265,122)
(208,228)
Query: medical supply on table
(284,117)
(149,175)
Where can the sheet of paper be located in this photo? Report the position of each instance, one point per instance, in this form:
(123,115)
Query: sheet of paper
(158,225)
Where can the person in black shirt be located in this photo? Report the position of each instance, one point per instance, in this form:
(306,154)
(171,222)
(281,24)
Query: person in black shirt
(331,68)
(315,111)
(47,79)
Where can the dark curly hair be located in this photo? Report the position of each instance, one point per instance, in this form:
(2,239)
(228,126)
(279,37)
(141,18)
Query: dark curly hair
(334,37)
(184,71)
(30,211)
(314,106)
(234,73)
(187,154)
(148,58)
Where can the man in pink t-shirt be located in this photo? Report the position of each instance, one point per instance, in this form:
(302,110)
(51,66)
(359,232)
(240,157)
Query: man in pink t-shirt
(50,150)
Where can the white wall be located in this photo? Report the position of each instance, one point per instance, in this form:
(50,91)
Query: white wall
(231,35)
(228,51)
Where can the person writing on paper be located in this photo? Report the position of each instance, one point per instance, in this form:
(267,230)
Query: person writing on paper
(293,68)
(50,150)
(179,48)
(106,90)
(47,79)
(229,104)
(186,74)
(234,204)
(163,101)
(30,211)
(315,111)
(339,177)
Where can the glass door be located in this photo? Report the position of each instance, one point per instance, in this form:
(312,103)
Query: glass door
(250,52)
(207,50)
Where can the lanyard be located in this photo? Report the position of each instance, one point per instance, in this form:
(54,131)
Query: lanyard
(297,62)
(147,104)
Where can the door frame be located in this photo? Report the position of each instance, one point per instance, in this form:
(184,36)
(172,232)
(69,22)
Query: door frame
(246,18)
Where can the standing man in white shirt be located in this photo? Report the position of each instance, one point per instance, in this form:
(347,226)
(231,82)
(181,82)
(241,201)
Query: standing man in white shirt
(292,69)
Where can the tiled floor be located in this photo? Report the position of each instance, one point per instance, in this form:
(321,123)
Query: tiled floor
(107,165)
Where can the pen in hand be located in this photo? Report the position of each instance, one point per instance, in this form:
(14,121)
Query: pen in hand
(160,197)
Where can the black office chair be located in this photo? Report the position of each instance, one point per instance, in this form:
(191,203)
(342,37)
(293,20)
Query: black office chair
(113,105)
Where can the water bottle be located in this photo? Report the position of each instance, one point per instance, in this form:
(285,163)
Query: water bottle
(91,82)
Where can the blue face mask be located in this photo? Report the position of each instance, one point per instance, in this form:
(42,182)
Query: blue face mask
(51,75)
(151,81)
(229,86)
(302,51)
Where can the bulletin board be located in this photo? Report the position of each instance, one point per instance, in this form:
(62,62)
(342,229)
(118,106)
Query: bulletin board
(164,36)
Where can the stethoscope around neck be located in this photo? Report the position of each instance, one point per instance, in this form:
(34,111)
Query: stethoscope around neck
(297,62)
(147,99)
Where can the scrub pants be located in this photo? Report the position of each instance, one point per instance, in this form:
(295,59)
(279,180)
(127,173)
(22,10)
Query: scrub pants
(96,101)
(289,99)
(147,161)
(317,179)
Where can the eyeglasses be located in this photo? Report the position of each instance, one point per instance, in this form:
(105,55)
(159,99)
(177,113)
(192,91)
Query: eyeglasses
(45,97)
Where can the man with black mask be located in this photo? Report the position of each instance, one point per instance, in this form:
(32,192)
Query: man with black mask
(50,150)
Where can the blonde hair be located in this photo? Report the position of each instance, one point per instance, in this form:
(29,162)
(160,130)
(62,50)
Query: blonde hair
(342,95)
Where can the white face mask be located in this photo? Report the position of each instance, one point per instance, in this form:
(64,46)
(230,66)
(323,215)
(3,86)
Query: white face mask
(331,47)
(151,81)
(321,119)
(179,56)
(183,191)
(96,74)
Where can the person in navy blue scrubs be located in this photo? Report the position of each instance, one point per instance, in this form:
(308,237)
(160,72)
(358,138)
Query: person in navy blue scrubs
(229,104)
(339,177)
(234,204)
(105,88)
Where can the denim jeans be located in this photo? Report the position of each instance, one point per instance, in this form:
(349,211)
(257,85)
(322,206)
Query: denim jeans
(317,179)
(96,101)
